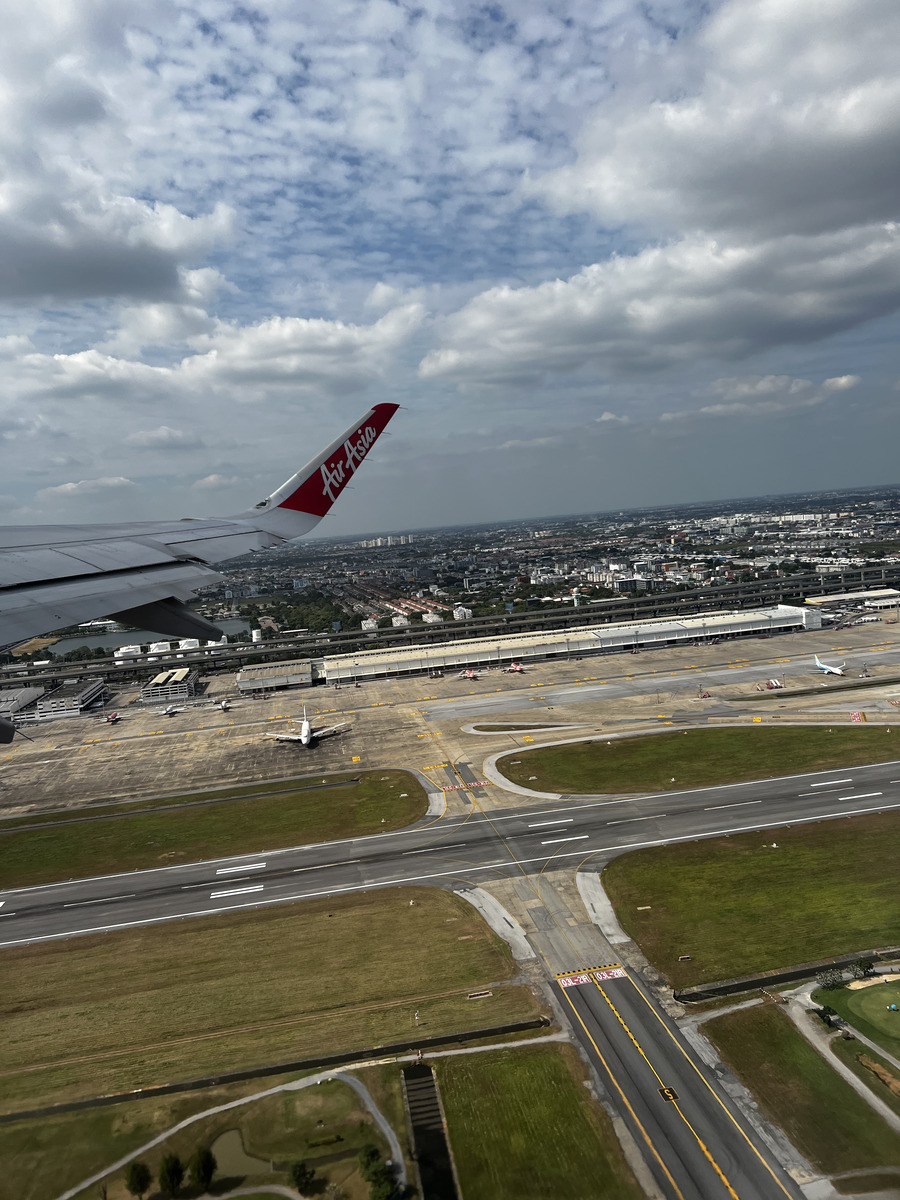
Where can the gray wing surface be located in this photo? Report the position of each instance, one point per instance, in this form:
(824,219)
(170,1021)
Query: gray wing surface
(52,576)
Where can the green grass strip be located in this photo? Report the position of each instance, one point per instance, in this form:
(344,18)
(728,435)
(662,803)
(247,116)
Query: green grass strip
(523,1127)
(738,906)
(142,839)
(868,1010)
(695,758)
(797,1089)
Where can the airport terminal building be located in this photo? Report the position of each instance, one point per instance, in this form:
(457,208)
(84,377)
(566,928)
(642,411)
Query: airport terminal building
(543,646)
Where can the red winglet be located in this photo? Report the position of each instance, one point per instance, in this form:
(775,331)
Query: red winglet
(328,478)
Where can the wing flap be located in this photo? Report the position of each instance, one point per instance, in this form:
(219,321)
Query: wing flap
(30,610)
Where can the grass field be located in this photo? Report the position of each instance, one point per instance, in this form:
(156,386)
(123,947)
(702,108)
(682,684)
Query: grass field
(179,829)
(737,906)
(118,1011)
(796,1088)
(866,1009)
(523,1127)
(326,1125)
(849,1052)
(699,758)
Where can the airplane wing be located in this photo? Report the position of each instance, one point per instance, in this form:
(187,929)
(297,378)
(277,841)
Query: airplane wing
(332,729)
(284,737)
(146,572)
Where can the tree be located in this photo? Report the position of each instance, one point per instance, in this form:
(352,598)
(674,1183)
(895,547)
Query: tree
(830,979)
(138,1177)
(862,967)
(302,1175)
(203,1167)
(171,1174)
(367,1158)
(382,1183)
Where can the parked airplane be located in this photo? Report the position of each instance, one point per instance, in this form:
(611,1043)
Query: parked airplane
(307,735)
(169,711)
(467,675)
(826,669)
(515,669)
(146,572)
(225,706)
(112,718)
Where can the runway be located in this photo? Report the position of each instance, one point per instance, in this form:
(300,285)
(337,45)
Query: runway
(449,852)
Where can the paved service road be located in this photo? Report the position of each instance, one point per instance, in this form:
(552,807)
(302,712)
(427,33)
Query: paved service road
(694,1141)
(446,852)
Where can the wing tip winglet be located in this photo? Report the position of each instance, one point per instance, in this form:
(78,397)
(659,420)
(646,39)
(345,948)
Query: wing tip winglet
(329,475)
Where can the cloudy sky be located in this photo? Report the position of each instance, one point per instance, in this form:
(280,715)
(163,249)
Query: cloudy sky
(605,252)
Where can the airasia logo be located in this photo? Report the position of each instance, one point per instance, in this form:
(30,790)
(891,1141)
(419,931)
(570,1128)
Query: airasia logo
(336,473)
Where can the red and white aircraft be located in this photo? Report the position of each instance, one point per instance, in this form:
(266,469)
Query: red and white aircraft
(112,718)
(146,572)
(307,735)
(467,675)
(515,669)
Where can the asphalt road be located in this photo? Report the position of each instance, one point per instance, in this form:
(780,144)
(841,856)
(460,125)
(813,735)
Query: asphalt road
(446,851)
(694,1141)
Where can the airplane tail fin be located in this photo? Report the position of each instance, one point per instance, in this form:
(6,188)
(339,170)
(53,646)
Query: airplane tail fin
(816,657)
(301,502)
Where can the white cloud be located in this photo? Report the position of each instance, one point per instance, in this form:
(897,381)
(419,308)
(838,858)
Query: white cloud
(841,383)
(85,487)
(786,123)
(608,416)
(758,396)
(300,353)
(213,482)
(163,438)
(671,304)
(530,443)
(757,178)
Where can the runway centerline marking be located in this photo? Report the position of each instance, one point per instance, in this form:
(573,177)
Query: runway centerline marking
(324,866)
(248,867)
(737,804)
(627,820)
(102,900)
(257,887)
(561,821)
(575,837)
(831,782)
(434,849)
(862,796)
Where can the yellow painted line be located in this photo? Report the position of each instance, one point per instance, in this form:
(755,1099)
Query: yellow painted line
(711,1089)
(644,1134)
(703,1147)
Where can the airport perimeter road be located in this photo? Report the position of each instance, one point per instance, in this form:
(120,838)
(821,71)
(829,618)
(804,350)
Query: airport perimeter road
(693,1140)
(446,852)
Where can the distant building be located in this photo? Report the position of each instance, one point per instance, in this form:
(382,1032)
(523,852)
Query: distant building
(71,698)
(180,684)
